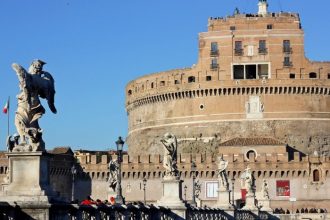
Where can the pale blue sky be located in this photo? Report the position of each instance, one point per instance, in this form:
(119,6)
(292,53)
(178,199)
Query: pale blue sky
(94,48)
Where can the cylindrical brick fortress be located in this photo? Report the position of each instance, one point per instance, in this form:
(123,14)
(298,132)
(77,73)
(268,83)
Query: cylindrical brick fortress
(247,83)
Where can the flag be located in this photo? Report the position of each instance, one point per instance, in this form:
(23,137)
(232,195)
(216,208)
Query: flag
(6,107)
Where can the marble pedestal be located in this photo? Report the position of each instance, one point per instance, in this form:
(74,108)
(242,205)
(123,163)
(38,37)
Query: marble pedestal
(224,200)
(250,203)
(28,183)
(172,196)
(265,205)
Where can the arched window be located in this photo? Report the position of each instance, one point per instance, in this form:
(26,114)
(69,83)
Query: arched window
(152,85)
(316,175)
(312,75)
(191,79)
(129,92)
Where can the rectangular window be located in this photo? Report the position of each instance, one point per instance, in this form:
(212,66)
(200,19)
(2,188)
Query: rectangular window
(269,26)
(176,81)
(211,189)
(287,46)
(238,48)
(208,78)
(162,83)
(232,28)
(283,187)
(287,62)
(262,47)
(214,64)
(263,71)
(251,71)
(292,76)
(328,75)
(214,48)
(238,71)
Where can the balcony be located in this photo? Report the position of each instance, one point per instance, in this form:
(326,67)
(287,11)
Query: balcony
(262,50)
(214,66)
(287,64)
(214,53)
(238,52)
(287,49)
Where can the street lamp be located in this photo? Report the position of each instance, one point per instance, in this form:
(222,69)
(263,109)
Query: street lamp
(144,189)
(73,172)
(233,191)
(193,169)
(119,198)
(185,192)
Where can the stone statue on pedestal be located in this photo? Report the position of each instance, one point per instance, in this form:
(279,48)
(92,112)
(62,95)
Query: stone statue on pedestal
(247,181)
(222,174)
(248,184)
(170,155)
(113,170)
(34,84)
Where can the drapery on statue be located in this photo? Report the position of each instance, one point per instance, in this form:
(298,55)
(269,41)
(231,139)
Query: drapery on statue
(247,180)
(222,174)
(33,85)
(170,155)
(113,171)
(265,189)
(198,189)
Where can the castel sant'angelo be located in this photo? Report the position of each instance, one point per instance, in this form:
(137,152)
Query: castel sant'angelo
(252,99)
(252,80)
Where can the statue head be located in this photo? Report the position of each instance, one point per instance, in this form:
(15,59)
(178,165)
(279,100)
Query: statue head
(36,66)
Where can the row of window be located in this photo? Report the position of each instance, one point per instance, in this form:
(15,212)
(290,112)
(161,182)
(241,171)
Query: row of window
(269,26)
(239,51)
(240,72)
(239,48)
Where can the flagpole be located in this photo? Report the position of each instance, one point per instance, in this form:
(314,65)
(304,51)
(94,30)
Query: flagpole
(8,116)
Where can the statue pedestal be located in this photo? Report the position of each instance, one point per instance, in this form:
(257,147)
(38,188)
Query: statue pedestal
(224,200)
(28,177)
(28,183)
(172,196)
(250,203)
(265,205)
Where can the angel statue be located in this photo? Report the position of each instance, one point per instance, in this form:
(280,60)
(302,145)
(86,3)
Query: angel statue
(265,189)
(170,155)
(247,180)
(222,173)
(113,172)
(34,84)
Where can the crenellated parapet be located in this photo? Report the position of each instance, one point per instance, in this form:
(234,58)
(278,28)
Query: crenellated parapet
(263,165)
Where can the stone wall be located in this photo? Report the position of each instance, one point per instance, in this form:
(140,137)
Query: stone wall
(286,164)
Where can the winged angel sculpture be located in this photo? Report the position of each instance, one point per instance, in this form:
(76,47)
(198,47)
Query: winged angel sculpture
(34,84)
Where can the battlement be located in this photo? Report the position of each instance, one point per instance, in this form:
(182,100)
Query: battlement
(282,20)
(264,165)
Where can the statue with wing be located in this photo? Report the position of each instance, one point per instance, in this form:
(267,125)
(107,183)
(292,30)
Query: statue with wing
(34,84)
(170,155)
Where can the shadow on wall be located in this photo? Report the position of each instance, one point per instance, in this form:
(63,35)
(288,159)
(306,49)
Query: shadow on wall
(83,185)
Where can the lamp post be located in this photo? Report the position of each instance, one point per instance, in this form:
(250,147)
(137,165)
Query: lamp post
(185,192)
(144,189)
(73,172)
(119,198)
(233,191)
(193,169)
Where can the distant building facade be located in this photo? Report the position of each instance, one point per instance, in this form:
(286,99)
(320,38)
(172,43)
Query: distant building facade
(252,79)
